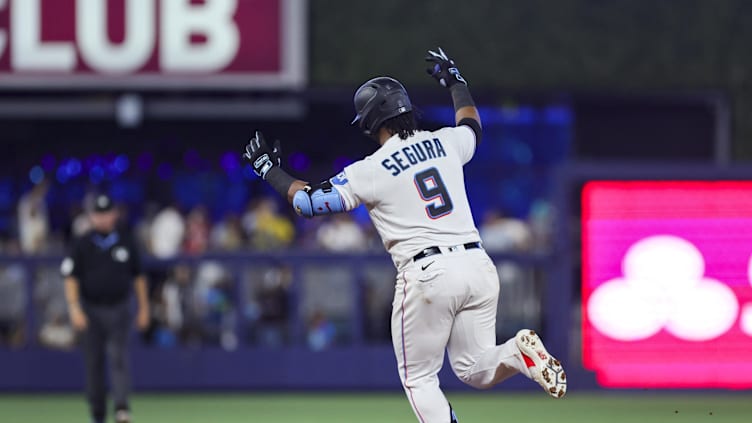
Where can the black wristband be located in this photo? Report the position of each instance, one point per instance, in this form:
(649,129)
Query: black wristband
(474,126)
(461,96)
(279,180)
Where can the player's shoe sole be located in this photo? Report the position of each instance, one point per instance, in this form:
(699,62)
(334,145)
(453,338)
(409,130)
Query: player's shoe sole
(122,416)
(547,370)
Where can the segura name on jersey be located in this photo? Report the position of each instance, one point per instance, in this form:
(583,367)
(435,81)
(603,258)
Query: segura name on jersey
(413,154)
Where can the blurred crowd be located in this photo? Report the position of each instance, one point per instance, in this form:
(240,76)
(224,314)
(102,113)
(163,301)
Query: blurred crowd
(170,230)
(265,225)
(207,301)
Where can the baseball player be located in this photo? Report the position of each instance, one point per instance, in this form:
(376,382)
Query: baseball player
(447,288)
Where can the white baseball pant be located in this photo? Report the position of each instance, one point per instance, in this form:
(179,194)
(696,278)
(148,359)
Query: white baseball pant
(448,301)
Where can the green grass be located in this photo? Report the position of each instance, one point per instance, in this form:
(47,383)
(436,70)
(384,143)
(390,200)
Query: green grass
(479,407)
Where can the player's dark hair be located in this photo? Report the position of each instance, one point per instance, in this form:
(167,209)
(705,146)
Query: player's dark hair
(403,125)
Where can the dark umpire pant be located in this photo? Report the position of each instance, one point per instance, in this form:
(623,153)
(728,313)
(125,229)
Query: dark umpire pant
(106,335)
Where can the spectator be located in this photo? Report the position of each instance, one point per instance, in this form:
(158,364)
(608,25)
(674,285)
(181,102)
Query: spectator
(266,229)
(174,311)
(167,232)
(55,330)
(500,233)
(80,223)
(373,240)
(179,302)
(307,229)
(33,220)
(227,235)
(213,296)
(12,304)
(341,234)
(57,333)
(321,332)
(542,215)
(142,228)
(274,307)
(377,306)
(197,231)
(171,314)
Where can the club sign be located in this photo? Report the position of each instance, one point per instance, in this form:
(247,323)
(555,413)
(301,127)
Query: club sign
(152,43)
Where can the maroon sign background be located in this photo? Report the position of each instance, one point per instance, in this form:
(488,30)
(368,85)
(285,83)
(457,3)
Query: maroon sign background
(269,53)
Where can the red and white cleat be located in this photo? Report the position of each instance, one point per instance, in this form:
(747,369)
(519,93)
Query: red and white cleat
(544,368)
(122,416)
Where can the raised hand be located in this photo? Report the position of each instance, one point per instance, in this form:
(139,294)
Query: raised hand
(444,69)
(262,157)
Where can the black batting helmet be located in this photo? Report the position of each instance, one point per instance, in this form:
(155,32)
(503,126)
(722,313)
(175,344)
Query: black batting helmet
(378,100)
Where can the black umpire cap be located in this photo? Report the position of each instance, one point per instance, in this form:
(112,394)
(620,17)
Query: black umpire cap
(102,203)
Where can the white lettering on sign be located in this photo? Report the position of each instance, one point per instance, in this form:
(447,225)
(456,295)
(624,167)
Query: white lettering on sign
(97,50)
(179,20)
(212,20)
(28,52)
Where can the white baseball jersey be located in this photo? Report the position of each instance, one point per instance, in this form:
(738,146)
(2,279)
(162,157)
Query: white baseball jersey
(414,190)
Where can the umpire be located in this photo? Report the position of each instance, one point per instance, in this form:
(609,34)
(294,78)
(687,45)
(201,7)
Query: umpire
(98,272)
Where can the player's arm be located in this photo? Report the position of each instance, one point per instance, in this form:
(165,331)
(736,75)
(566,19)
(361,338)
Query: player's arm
(446,73)
(307,200)
(267,164)
(296,186)
(70,269)
(318,200)
(75,311)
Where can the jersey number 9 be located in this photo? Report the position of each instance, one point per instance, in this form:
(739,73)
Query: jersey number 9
(431,188)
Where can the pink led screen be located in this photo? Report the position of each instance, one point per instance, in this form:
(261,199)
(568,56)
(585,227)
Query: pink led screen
(667,283)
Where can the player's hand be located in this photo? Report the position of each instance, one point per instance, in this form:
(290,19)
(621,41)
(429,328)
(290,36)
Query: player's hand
(262,157)
(443,69)
(78,319)
(143,319)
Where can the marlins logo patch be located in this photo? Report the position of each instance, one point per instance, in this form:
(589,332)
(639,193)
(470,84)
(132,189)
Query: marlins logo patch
(66,267)
(340,179)
(120,254)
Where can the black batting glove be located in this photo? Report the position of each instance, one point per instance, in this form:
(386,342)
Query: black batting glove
(444,70)
(262,158)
